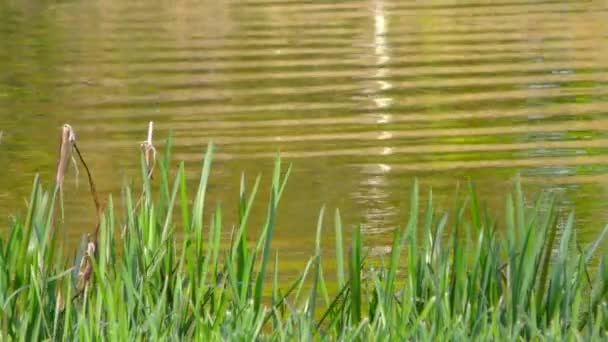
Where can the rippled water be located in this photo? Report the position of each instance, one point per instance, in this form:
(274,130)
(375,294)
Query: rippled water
(361,96)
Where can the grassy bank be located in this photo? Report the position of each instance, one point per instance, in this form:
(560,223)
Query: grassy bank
(159,271)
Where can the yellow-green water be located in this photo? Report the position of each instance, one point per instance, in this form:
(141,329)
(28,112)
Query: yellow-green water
(361,96)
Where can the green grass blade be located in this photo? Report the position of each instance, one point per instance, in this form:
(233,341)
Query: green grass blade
(265,252)
(29,225)
(339,249)
(317,271)
(355,276)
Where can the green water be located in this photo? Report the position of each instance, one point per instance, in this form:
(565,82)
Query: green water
(360,96)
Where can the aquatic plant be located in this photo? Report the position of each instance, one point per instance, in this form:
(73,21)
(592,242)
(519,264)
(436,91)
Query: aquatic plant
(162,271)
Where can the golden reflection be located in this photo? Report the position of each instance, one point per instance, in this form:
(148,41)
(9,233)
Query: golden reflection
(374,186)
(374,196)
(382,57)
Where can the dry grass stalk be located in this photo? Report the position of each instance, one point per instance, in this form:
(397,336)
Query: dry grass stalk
(59,302)
(65,154)
(149,151)
(86,267)
(66,147)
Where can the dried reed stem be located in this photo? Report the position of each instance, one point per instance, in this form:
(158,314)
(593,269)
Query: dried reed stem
(94,193)
(86,265)
(149,151)
(66,145)
(86,268)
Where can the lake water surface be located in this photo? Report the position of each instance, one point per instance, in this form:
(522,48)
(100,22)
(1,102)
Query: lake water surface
(360,96)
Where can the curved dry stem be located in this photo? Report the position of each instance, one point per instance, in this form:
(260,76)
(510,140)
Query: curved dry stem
(94,194)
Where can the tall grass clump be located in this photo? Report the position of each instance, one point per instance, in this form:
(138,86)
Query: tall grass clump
(159,271)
